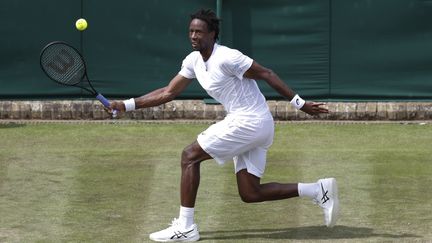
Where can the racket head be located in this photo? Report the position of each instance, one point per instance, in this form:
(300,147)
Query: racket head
(62,63)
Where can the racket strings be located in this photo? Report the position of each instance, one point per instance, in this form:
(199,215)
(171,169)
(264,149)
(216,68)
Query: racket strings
(63,64)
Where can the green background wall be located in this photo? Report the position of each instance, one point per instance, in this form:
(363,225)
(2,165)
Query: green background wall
(381,49)
(324,49)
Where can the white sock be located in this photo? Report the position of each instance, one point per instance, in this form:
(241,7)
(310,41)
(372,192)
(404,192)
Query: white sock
(309,190)
(186,216)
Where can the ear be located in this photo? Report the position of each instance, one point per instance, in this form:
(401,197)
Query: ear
(212,34)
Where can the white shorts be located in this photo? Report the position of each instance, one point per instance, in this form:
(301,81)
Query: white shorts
(244,140)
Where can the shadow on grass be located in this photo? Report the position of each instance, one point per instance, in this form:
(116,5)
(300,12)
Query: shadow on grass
(302,233)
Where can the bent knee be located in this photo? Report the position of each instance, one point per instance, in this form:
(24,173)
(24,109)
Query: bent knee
(193,154)
(187,157)
(250,197)
(186,154)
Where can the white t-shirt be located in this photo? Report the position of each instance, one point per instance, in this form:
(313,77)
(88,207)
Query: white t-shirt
(222,77)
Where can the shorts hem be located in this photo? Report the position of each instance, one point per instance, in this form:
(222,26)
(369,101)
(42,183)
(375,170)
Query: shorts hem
(216,158)
(250,171)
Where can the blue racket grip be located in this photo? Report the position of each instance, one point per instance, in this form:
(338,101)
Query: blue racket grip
(106,103)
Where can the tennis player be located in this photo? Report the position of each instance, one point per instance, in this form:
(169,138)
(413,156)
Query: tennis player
(244,135)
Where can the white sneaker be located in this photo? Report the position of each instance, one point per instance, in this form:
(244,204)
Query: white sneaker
(176,233)
(327,199)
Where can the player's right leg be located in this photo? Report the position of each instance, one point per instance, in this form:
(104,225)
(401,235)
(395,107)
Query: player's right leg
(176,232)
(184,229)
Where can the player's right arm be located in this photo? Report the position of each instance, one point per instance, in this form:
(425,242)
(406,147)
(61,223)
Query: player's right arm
(158,96)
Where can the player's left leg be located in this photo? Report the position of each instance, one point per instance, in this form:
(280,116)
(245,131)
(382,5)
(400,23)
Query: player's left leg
(324,193)
(251,190)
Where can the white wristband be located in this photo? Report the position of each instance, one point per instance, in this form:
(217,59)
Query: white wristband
(297,102)
(129,104)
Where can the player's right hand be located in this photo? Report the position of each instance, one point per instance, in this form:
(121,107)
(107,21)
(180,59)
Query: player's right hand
(116,105)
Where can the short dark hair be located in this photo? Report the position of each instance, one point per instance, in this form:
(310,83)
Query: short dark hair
(210,18)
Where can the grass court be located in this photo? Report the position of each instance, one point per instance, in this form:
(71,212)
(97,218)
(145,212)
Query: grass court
(118,182)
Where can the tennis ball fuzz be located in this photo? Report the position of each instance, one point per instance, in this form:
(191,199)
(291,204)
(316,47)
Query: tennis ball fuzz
(81,24)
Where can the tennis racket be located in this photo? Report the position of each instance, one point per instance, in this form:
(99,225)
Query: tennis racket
(65,65)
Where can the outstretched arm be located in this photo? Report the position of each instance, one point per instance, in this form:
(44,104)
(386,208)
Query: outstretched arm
(258,72)
(158,96)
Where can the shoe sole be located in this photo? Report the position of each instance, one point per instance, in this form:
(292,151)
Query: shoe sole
(192,239)
(334,212)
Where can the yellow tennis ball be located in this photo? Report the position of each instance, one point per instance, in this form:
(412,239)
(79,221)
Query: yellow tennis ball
(81,24)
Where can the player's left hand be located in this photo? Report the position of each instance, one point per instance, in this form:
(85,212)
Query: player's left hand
(313,108)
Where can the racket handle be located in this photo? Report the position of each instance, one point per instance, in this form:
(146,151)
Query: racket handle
(106,103)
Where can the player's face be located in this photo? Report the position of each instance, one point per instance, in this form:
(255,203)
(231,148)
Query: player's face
(200,36)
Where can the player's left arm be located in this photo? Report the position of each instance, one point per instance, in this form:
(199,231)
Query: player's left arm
(258,72)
